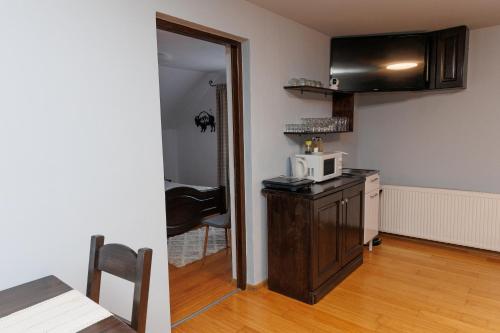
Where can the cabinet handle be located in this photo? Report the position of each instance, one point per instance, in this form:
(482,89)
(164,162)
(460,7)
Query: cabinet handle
(374,180)
(373,195)
(342,202)
(346,200)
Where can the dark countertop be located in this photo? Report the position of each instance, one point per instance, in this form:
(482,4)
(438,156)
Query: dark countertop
(359,172)
(324,188)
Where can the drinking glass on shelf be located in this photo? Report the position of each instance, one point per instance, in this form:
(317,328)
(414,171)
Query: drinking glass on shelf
(344,124)
(335,124)
(331,125)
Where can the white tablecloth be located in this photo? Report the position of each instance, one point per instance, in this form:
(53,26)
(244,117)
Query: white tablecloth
(66,313)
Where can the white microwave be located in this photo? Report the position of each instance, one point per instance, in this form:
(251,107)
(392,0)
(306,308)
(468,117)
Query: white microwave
(317,167)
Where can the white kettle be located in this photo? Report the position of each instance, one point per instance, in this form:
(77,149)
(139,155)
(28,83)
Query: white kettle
(300,167)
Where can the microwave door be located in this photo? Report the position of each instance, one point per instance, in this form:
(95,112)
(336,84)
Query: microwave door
(329,167)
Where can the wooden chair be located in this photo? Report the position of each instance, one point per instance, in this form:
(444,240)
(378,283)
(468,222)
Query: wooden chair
(121,261)
(219,221)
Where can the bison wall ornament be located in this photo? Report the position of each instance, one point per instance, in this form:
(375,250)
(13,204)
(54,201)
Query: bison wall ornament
(205,119)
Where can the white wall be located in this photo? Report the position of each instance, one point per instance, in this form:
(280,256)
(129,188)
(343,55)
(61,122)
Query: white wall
(445,139)
(195,156)
(170,154)
(81,138)
(175,83)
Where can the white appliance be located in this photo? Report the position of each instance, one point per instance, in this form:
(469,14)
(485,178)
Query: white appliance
(372,202)
(317,166)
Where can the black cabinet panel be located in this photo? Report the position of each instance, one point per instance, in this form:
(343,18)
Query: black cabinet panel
(353,224)
(288,244)
(451,49)
(326,254)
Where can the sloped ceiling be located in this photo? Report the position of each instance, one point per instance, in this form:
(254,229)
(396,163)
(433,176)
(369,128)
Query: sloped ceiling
(358,17)
(179,51)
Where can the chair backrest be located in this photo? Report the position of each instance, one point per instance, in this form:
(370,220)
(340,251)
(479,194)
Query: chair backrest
(121,261)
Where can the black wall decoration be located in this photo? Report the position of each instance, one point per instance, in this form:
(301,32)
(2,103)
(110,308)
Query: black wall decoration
(205,119)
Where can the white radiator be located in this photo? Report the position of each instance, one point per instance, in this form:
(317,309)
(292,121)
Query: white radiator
(456,217)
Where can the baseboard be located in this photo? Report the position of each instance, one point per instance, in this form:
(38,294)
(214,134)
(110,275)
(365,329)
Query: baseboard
(257,286)
(474,250)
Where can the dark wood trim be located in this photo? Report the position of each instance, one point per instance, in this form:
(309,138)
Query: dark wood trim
(238,140)
(194,33)
(239,160)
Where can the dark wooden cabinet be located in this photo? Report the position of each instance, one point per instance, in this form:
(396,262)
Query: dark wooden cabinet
(315,239)
(449,50)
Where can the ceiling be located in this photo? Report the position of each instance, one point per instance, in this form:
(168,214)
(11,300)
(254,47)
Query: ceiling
(189,53)
(356,17)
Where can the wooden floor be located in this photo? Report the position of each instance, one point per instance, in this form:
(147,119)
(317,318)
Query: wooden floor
(194,286)
(403,286)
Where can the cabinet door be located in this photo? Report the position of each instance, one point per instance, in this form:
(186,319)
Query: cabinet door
(451,57)
(326,238)
(352,227)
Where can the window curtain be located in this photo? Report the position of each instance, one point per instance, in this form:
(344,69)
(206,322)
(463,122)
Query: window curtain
(222,141)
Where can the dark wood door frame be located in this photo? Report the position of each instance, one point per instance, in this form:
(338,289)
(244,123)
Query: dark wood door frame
(238,146)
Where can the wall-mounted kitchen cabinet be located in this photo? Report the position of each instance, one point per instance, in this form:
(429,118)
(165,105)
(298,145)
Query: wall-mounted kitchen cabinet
(448,58)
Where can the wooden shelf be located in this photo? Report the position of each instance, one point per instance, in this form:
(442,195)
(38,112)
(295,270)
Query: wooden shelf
(342,103)
(315,133)
(316,90)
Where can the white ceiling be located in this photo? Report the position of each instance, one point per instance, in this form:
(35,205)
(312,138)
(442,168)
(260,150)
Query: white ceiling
(189,53)
(356,17)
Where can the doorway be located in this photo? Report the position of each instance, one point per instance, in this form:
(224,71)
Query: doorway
(202,127)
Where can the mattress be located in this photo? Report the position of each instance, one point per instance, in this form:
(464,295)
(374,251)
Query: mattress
(170,185)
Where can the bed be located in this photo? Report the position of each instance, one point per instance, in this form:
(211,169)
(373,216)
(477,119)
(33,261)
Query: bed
(188,205)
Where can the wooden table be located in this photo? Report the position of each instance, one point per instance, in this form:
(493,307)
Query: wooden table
(31,293)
